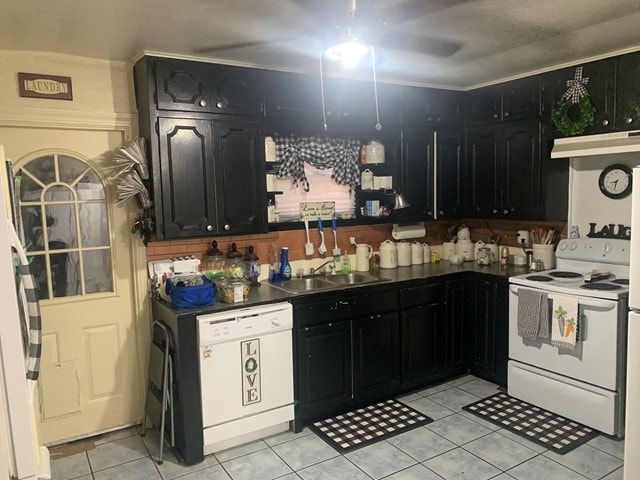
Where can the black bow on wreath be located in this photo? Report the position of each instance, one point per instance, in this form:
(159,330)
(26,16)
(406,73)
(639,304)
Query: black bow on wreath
(576,88)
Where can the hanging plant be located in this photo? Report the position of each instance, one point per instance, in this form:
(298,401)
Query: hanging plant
(568,126)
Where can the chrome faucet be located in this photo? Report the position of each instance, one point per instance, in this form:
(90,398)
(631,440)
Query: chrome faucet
(330,264)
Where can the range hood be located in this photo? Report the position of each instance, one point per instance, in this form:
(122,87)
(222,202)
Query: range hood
(605,144)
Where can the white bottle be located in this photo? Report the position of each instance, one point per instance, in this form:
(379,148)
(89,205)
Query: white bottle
(269,149)
(271,212)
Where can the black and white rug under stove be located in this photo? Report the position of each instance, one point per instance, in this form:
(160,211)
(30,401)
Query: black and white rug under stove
(558,434)
(362,427)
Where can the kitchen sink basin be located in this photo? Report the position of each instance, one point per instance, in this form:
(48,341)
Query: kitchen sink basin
(328,282)
(353,278)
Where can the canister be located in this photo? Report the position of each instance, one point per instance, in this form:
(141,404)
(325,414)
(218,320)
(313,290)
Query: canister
(388,254)
(366,180)
(404,253)
(417,254)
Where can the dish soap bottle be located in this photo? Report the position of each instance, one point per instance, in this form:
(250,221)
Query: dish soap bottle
(346,264)
(285,266)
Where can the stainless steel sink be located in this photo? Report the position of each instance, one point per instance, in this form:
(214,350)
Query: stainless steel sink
(353,278)
(328,282)
(307,284)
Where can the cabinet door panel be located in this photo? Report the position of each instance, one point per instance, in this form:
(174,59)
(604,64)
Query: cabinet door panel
(455,352)
(428,107)
(182,85)
(422,330)
(521,171)
(293,95)
(484,105)
(488,326)
(187,178)
(376,355)
(324,368)
(449,172)
(237,91)
(417,174)
(521,98)
(628,117)
(484,153)
(240,174)
(601,88)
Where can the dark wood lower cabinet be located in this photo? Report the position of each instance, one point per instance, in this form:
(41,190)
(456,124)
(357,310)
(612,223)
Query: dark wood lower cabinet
(422,329)
(376,356)
(347,355)
(488,327)
(324,368)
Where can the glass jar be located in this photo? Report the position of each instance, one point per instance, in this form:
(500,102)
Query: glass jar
(485,256)
(252,266)
(214,263)
(234,266)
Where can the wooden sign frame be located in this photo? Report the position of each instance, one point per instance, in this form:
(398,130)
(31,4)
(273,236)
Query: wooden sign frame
(39,85)
(315,210)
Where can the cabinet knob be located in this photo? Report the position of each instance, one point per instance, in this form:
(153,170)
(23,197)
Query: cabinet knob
(429,119)
(495,115)
(430,213)
(219,105)
(506,114)
(605,122)
(438,119)
(345,114)
(209,228)
(477,209)
(495,210)
(203,103)
(628,120)
(505,211)
(329,113)
(440,212)
(227,227)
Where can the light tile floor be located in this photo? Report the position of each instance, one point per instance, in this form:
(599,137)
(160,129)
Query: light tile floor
(456,446)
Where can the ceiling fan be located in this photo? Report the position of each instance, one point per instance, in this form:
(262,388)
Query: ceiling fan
(373,20)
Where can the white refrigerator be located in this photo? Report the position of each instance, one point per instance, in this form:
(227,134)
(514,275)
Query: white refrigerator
(20,452)
(632,418)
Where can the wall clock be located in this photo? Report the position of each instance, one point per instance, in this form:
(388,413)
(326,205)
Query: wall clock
(615,181)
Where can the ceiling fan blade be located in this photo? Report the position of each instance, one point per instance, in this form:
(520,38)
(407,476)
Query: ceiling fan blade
(419,43)
(237,45)
(408,9)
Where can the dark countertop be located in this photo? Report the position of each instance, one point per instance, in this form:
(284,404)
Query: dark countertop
(267,294)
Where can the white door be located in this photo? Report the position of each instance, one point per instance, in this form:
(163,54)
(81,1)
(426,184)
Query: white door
(90,372)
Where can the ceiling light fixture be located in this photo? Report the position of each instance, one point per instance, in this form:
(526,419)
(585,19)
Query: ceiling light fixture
(347,47)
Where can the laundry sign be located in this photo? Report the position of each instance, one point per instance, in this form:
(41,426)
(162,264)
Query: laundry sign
(251,391)
(39,85)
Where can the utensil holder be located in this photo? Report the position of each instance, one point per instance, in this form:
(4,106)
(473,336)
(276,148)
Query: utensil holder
(546,253)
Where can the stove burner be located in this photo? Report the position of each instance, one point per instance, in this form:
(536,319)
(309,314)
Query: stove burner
(621,281)
(539,278)
(600,286)
(562,274)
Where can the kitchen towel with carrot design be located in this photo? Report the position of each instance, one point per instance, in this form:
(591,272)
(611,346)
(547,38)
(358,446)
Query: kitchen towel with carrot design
(564,323)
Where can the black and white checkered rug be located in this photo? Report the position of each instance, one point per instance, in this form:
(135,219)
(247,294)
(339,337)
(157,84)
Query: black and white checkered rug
(368,425)
(552,431)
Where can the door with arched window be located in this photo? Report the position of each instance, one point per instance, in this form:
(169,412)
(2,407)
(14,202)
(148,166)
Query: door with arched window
(79,245)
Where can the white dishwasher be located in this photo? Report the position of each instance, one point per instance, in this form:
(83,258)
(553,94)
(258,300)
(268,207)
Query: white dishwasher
(246,374)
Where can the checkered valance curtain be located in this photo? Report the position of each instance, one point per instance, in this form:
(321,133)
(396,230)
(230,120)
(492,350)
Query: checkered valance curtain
(322,153)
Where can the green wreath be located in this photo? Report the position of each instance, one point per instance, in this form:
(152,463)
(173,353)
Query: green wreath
(567,126)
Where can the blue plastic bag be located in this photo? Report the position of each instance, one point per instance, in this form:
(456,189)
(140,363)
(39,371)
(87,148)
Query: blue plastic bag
(191,296)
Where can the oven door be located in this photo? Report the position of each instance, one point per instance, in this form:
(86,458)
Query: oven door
(599,351)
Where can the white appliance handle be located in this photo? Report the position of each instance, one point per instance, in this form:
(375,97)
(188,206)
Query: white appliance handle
(585,301)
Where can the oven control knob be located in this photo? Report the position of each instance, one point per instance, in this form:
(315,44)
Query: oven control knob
(573,245)
(562,245)
(225,331)
(607,247)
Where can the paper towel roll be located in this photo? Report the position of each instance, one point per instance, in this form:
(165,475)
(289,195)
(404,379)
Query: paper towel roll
(403,232)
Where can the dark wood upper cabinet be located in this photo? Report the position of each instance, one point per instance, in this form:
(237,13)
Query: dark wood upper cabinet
(450,163)
(184,194)
(197,87)
(428,107)
(182,85)
(484,155)
(292,95)
(601,87)
(628,94)
(484,105)
(508,101)
(417,176)
(239,172)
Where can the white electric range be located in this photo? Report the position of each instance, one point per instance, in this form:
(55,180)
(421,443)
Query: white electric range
(585,384)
